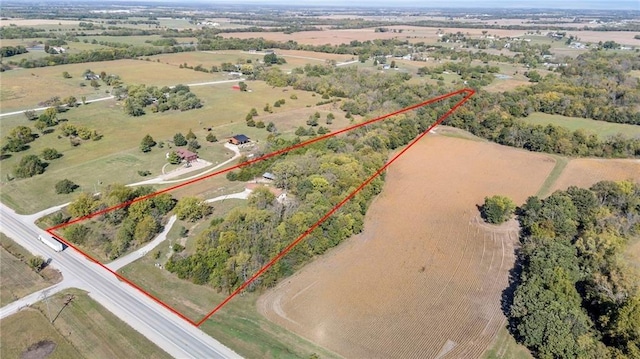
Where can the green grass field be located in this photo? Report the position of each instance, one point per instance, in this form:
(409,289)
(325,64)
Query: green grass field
(561,163)
(25,88)
(601,128)
(82,329)
(29,327)
(133,40)
(116,158)
(238,325)
(505,347)
(206,59)
(18,279)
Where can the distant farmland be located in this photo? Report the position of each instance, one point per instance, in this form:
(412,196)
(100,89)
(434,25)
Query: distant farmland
(601,128)
(425,278)
(584,172)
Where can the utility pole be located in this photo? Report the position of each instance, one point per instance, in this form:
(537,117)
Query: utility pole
(46,300)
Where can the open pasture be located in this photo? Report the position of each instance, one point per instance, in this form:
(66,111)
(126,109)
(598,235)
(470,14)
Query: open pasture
(206,58)
(138,40)
(117,158)
(425,278)
(601,128)
(82,329)
(18,279)
(25,88)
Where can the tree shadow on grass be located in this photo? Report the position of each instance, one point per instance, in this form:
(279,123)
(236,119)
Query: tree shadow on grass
(509,292)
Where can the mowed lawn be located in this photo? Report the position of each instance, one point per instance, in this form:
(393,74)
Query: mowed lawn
(18,279)
(116,158)
(207,58)
(601,128)
(238,325)
(82,329)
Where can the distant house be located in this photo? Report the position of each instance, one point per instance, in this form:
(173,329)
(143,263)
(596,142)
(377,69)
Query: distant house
(239,139)
(270,176)
(187,155)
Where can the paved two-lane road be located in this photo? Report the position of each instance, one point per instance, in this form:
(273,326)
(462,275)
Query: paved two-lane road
(171,333)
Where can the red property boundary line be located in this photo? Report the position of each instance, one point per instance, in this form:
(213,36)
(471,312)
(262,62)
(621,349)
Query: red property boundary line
(468,93)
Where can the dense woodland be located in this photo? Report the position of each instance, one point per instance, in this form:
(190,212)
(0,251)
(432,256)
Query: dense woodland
(577,296)
(112,234)
(316,177)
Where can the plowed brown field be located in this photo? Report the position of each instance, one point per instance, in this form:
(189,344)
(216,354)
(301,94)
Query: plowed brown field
(425,278)
(584,172)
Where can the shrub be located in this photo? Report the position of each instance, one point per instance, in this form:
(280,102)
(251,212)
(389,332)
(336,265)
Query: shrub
(65,186)
(211,137)
(50,154)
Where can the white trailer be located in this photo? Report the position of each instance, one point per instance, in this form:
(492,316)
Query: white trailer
(52,242)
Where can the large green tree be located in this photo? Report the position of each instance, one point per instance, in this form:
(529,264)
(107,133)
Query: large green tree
(146,143)
(83,205)
(29,166)
(497,209)
(191,209)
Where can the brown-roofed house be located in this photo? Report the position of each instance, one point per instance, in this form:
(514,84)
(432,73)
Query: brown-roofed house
(187,155)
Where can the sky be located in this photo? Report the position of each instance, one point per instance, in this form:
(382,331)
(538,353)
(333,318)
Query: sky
(504,4)
(552,4)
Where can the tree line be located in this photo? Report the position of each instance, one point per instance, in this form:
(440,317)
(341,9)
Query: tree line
(494,116)
(110,54)
(315,178)
(8,51)
(112,234)
(576,295)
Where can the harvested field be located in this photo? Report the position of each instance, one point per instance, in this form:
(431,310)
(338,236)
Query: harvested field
(34,22)
(418,33)
(584,172)
(621,37)
(336,37)
(425,278)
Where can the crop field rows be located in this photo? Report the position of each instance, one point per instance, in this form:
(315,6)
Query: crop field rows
(467,93)
(425,271)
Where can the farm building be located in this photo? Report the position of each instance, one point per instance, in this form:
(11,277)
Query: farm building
(187,155)
(239,139)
